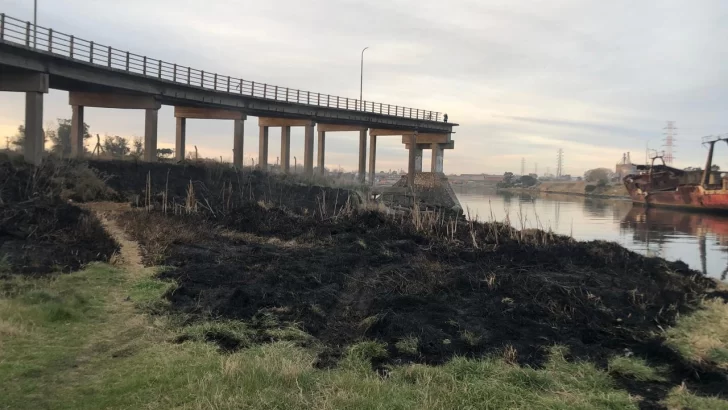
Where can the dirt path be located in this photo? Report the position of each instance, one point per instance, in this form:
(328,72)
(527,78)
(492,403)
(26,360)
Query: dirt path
(129,257)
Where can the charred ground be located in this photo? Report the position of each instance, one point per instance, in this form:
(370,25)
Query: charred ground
(277,254)
(366,276)
(41,231)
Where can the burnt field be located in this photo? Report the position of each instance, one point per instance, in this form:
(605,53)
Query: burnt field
(428,289)
(41,230)
(315,266)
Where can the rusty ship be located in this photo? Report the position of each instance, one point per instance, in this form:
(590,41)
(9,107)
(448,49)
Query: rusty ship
(665,186)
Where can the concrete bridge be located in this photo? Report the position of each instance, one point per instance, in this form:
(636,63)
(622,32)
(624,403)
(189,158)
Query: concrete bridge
(34,59)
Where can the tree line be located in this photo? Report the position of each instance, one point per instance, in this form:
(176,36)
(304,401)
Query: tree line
(59,135)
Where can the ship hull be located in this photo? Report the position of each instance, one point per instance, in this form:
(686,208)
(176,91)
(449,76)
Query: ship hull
(693,197)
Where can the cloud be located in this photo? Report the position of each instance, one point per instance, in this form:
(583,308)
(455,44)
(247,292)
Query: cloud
(522,78)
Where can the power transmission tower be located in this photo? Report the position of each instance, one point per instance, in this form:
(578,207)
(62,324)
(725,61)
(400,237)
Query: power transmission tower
(97,148)
(535,168)
(670,135)
(560,163)
(523,166)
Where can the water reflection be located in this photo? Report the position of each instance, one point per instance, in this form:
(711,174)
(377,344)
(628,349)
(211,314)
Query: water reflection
(700,240)
(658,226)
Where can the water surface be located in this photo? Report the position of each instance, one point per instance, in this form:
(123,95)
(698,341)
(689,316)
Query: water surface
(700,240)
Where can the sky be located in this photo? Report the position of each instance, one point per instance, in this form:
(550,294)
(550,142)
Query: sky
(522,78)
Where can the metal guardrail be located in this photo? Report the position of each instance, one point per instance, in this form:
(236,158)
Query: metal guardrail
(43,39)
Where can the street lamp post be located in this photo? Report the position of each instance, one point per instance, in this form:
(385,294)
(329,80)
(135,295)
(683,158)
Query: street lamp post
(35,22)
(361,77)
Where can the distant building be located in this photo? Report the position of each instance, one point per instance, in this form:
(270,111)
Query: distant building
(625,167)
(474,178)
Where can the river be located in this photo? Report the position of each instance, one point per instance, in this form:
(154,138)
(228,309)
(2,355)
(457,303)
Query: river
(700,240)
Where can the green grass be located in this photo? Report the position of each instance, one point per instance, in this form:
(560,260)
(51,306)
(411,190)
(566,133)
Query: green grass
(702,336)
(681,398)
(83,341)
(635,368)
(408,345)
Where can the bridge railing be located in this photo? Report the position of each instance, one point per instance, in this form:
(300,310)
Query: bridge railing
(47,40)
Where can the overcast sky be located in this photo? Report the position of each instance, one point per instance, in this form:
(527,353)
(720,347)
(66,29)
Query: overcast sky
(523,78)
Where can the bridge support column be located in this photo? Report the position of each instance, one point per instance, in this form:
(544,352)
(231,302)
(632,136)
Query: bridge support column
(286,148)
(180,139)
(308,150)
(321,152)
(418,160)
(238,141)
(411,166)
(151,120)
(372,158)
(34,85)
(77,131)
(437,158)
(263,147)
(34,138)
(362,155)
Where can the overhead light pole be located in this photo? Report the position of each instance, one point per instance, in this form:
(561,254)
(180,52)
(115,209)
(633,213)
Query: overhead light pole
(35,22)
(361,78)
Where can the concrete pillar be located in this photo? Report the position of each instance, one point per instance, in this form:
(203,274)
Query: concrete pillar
(238,140)
(438,155)
(418,160)
(372,158)
(286,148)
(150,134)
(263,148)
(77,131)
(362,154)
(34,138)
(180,139)
(411,166)
(308,151)
(321,152)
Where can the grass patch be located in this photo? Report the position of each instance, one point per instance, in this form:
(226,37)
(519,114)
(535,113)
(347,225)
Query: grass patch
(703,335)
(368,350)
(109,354)
(681,398)
(408,345)
(635,368)
(148,293)
(228,335)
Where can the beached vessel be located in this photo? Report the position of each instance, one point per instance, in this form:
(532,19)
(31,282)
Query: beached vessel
(662,185)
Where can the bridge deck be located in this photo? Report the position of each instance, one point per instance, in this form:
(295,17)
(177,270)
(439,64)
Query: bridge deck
(75,64)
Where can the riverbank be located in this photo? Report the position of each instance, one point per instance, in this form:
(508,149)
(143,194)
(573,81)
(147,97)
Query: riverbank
(579,188)
(265,301)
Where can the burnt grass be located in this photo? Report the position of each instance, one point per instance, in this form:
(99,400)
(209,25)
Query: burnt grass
(363,275)
(275,253)
(41,230)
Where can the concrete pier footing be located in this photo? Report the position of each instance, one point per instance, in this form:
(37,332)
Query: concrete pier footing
(362,155)
(308,150)
(321,152)
(34,137)
(151,119)
(372,158)
(180,139)
(411,164)
(77,131)
(238,142)
(263,147)
(286,148)
(437,158)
